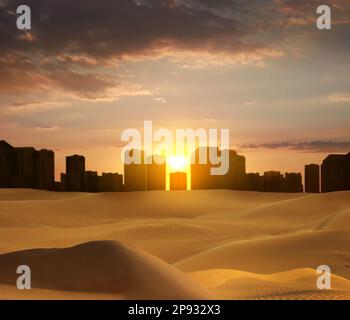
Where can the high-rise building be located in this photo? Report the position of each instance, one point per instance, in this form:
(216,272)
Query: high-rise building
(45,169)
(110,182)
(235,177)
(293,183)
(201,175)
(64,183)
(156,173)
(26,170)
(90,181)
(272,182)
(8,165)
(75,164)
(135,174)
(178,181)
(312,178)
(335,173)
(253,182)
(26,167)
(74,178)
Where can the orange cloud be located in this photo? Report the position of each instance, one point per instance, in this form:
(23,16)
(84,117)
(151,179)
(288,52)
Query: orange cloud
(339,98)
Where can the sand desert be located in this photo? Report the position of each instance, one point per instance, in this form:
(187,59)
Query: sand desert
(174,245)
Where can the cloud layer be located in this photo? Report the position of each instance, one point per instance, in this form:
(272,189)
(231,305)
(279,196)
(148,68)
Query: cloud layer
(310,146)
(71,42)
(79,39)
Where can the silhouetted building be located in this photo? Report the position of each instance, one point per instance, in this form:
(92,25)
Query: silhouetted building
(75,164)
(336,173)
(156,174)
(178,181)
(235,177)
(8,165)
(74,178)
(312,178)
(110,182)
(58,186)
(272,182)
(253,182)
(293,183)
(26,167)
(201,177)
(45,170)
(72,182)
(26,170)
(135,175)
(64,182)
(90,181)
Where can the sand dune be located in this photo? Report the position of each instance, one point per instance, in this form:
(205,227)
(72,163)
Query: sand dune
(200,231)
(292,284)
(277,253)
(106,267)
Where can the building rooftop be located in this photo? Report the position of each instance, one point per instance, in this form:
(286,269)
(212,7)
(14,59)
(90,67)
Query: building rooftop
(4,144)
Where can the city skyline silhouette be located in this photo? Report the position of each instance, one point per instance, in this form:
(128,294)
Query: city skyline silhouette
(26,167)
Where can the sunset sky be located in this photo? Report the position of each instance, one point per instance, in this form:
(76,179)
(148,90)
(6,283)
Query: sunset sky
(90,69)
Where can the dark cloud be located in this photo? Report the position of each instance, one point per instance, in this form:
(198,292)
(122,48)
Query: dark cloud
(107,28)
(77,37)
(301,12)
(70,39)
(220,4)
(313,146)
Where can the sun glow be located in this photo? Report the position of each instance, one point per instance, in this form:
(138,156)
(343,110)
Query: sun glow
(178,163)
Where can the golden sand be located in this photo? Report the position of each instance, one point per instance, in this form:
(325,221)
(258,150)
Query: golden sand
(174,245)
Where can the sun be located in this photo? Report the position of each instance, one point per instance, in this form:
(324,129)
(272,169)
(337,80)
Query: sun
(177,163)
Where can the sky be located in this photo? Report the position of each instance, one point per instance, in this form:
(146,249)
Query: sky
(88,70)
